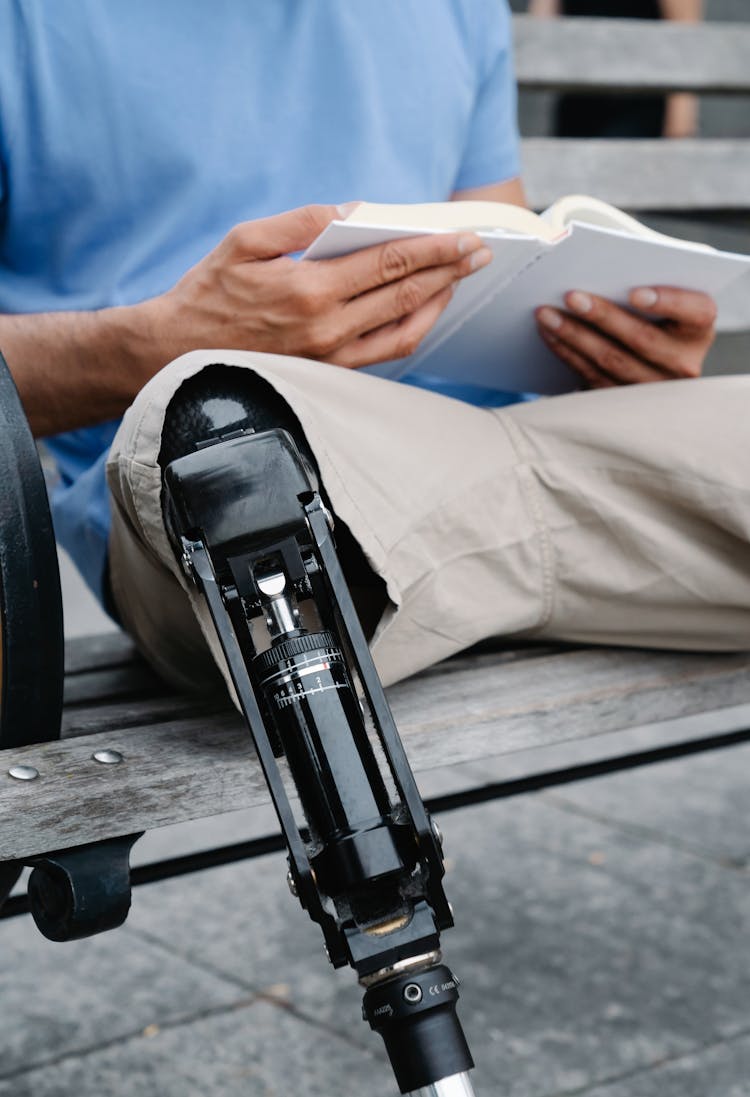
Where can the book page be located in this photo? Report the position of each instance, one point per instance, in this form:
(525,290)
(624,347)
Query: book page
(501,347)
(582,209)
(454,216)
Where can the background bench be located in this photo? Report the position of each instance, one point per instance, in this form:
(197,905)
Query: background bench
(632,56)
(697,188)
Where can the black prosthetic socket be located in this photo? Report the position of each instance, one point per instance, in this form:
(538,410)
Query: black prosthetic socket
(222,399)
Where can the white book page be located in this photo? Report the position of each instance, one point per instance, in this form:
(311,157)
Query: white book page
(501,348)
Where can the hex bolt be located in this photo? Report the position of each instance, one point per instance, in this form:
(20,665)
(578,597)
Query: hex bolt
(23,773)
(107,757)
(412,993)
(291,884)
(438,833)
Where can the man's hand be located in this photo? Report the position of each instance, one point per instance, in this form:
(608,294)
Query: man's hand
(668,338)
(74,369)
(367,307)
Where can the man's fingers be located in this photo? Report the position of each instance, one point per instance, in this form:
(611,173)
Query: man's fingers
(593,377)
(392,302)
(385,263)
(687,308)
(608,356)
(270,237)
(394,340)
(643,338)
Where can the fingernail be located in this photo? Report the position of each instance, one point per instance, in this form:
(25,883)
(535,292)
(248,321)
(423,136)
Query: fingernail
(481,258)
(644,298)
(468,242)
(345,208)
(549,318)
(579,302)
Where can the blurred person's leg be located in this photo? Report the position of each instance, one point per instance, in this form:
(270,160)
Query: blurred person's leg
(617,516)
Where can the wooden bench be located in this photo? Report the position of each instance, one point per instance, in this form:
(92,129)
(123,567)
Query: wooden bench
(184,760)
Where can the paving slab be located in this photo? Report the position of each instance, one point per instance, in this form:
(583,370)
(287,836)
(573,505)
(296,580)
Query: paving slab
(685,809)
(719,1071)
(255,1051)
(698,803)
(62,999)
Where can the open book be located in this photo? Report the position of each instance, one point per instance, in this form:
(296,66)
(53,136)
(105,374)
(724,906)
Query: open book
(487,336)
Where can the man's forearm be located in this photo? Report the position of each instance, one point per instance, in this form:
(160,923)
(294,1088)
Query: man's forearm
(74,369)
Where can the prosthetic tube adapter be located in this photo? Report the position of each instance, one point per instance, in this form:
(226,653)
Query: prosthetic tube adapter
(365,860)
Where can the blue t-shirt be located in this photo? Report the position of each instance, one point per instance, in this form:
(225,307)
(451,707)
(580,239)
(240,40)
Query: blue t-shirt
(134,135)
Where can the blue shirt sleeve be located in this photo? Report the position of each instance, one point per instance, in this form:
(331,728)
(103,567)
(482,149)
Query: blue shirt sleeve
(492,152)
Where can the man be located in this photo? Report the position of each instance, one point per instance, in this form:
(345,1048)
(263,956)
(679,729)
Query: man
(140,137)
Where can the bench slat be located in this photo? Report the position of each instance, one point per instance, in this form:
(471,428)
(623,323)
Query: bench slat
(640,175)
(99,651)
(108,684)
(632,55)
(138,712)
(193,768)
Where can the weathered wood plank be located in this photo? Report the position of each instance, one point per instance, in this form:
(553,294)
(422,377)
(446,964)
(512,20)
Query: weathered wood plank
(576,695)
(193,768)
(98,713)
(640,175)
(139,712)
(100,651)
(130,694)
(632,55)
(109,684)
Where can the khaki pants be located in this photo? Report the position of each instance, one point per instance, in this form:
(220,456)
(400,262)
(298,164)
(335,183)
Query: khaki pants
(619,516)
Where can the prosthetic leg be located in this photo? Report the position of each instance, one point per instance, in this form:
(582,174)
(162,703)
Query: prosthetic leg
(246,518)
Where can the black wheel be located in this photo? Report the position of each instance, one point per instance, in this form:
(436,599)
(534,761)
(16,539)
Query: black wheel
(31,625)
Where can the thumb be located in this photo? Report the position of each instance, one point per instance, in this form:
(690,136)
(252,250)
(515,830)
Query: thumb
(270,237)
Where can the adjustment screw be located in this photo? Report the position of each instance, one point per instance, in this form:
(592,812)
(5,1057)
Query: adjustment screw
(291,884)
(107,757)
(413,993)
(438,833)
(23,773)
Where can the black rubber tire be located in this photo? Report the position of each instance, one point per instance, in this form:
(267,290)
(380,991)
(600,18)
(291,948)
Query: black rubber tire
(31,618)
